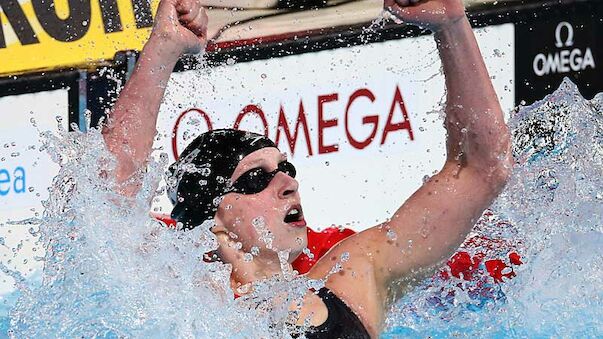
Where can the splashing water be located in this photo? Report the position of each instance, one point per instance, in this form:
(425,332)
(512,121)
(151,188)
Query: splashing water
(552,212)
(112,271)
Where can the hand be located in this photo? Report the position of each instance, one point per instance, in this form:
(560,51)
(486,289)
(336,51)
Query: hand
(180,27)
(431,14)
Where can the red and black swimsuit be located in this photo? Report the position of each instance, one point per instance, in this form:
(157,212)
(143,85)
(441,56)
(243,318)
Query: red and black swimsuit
(341,322)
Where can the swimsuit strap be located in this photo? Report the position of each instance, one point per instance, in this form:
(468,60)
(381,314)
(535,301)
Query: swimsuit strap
(341,322)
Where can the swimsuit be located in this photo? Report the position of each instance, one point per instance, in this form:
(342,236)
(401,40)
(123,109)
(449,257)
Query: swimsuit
(341,322)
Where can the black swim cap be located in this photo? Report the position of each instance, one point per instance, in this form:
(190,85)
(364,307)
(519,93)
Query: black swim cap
(201,176)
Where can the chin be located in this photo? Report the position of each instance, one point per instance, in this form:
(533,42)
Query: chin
(296,251)
(294,255)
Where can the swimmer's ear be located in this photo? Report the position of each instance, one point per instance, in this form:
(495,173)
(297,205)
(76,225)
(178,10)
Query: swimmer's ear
(221,234)
(218,227)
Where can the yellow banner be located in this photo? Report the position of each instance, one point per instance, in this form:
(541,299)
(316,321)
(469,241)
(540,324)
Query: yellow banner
(45,34)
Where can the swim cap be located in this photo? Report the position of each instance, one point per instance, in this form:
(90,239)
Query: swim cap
(201,176)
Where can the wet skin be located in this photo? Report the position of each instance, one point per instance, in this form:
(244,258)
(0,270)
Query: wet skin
(435,219)
(237,214)
(235,223)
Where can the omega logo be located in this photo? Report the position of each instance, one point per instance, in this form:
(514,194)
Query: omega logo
(570,35)
(565,60)
(287,129)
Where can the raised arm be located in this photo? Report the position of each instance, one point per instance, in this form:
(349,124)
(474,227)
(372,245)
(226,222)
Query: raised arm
(435,220)
(180,27)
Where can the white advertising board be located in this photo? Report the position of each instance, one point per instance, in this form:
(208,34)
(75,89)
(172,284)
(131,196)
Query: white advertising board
(362,124)
(25,171)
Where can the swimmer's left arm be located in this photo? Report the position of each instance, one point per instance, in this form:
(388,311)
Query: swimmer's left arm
(436,219)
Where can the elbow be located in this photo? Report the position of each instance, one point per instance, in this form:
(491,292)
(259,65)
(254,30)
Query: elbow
(493,165)
(504,160)
(501,173)
(499,166)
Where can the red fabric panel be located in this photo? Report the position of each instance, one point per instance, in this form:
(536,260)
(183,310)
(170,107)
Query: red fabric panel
(461,264)
(319,243)
(165,218)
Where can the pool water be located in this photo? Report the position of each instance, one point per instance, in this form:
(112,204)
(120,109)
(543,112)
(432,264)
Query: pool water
(130,276)
(552,213)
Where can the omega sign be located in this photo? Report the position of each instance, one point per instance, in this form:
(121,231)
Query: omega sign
(564,59)
(309,123)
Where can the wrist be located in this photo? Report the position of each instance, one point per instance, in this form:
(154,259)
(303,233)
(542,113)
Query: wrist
(452,23)
(452,29)
(161,49)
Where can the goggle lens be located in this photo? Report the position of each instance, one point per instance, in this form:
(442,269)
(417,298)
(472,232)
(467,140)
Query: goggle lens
(257,179)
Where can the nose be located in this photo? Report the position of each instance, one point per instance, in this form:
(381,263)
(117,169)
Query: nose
(286,185)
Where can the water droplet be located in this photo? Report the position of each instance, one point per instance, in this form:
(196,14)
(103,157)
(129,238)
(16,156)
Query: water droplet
(391,235)
(218,200)
(315,284)
(547,180)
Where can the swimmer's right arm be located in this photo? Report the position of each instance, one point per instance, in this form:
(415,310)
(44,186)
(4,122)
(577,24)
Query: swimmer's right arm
(180,28)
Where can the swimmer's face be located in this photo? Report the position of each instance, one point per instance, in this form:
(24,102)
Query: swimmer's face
(268,216)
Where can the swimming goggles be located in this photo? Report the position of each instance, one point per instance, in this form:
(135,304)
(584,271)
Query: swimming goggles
(257,179)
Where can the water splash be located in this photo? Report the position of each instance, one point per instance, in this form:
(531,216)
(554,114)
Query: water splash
(110,270)
(552,212)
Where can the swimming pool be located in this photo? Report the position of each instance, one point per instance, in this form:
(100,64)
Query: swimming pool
(130,276)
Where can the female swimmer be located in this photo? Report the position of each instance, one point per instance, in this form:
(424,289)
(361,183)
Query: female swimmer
(254,179)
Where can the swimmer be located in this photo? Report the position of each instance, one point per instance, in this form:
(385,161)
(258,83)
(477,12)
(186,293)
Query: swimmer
(255,180)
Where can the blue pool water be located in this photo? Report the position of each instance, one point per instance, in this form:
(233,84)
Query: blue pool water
(552,212)
(132,277)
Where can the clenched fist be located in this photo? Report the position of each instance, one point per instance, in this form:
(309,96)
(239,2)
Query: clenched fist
(431,14)
(180,27)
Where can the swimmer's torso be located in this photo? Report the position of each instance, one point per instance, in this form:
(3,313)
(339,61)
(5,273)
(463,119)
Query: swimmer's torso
(355,286)
(339,322)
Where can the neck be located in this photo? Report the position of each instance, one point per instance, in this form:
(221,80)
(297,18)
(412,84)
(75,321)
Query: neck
(244,273)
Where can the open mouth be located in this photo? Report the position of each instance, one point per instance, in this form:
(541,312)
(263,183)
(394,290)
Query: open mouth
(295,215)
